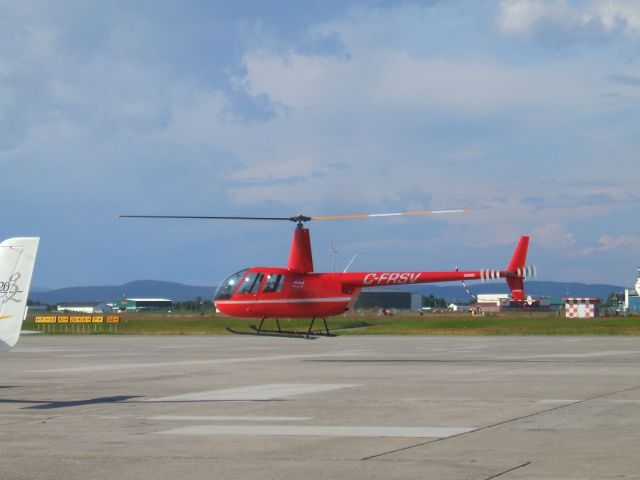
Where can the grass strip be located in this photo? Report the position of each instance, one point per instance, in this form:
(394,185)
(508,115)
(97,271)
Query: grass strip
(539,323)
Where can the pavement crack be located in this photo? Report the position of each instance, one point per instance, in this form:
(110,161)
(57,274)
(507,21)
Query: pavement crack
(504,422)
(507,471)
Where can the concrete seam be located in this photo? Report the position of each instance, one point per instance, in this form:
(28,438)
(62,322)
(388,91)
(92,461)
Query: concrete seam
(507,471)
(504,422)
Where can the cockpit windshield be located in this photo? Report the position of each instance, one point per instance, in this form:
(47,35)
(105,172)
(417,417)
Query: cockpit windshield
(225,289)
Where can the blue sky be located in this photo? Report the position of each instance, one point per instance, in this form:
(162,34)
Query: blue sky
(527,110)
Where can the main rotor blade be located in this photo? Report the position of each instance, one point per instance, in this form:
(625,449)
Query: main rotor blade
(302,218)
(205,217)
(373,215)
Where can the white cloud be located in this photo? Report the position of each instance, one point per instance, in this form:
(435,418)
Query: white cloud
(411,107)
(607,243)
(383,112)
(521,17)
(396,119)
(382,81)
(559,19)
(554,235)
(621,15)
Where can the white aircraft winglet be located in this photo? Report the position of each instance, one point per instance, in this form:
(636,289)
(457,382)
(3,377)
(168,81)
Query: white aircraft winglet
(17,258)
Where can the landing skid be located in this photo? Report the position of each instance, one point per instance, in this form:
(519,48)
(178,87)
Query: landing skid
(260,331)
(272,333)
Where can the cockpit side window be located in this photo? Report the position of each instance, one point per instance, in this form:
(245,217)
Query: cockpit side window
(273,284)
(251,283)
(225,289)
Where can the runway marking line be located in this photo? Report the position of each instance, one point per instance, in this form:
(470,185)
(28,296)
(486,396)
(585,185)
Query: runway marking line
(215,361)
(554,401)
(228,418)
(254,392)
(606,353)
(318,431)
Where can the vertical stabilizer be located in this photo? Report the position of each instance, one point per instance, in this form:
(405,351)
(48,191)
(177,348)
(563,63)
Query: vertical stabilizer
(516,269)
(17,258)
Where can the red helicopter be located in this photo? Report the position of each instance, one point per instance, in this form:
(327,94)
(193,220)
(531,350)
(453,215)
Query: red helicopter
(296,291)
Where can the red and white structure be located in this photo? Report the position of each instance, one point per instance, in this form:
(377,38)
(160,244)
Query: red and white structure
(581,307)
(297,291)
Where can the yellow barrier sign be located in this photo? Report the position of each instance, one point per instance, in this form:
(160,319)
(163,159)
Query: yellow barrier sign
(80,319)
(97,319)
(45,319)
(113,319)
(63,319)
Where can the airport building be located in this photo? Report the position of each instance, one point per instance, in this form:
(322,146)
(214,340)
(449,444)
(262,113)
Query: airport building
(37,308)
(388,299)
(492,302)
(500,302)
(632,296)
(458,307)
(142,304)
(90,307)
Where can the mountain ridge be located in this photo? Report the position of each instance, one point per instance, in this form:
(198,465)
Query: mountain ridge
(181,292)
(110,293)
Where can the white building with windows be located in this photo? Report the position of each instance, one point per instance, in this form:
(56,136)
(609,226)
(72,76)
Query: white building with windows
(96,307)
(632,296)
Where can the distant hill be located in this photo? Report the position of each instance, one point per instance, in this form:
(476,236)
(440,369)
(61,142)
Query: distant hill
(140,288)
(533,288)
(36,288)
(180,292)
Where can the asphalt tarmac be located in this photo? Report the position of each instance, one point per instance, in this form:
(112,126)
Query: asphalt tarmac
(243,407)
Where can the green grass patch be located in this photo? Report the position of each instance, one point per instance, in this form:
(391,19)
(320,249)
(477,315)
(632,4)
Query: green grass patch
(357,324)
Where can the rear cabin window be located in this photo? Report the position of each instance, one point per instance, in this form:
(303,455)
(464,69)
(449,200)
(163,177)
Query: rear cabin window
(273,284)
(251,283)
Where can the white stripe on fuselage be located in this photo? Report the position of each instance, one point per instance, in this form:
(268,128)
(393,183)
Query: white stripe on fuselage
(287,300)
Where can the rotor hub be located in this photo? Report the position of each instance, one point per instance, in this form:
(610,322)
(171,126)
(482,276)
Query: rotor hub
(300,219)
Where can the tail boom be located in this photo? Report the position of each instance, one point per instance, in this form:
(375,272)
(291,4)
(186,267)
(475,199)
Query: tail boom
(514,275)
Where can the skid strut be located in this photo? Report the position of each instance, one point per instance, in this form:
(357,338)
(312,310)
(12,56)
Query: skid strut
(326,328)
(262,321)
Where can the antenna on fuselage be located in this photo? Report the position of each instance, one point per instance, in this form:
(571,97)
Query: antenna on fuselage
(350,262)
(334,250)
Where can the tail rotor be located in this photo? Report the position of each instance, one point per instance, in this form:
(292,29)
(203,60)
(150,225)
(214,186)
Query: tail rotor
(530,271)
(516,272)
